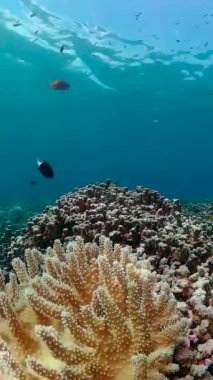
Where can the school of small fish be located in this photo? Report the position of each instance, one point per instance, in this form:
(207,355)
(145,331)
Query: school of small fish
(43,166)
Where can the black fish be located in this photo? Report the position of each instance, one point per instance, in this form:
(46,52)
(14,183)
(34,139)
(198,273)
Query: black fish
(32,182)
(138,15)
(178,40)
(45,169)
(33,14)
(17,24)
(206,44)
(62,48)
(36,32)
(155,36)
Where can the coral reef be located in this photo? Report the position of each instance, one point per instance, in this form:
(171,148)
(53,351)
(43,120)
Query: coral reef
(195,301)
(141,217)
(13,217)
(200,209)
(177,244)
(87,313)
(12,220)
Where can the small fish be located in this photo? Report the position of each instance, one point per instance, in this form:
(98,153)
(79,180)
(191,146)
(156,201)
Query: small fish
(33,14)
(45,169)
(205,15)
(138,15)
(17,23)
(206,44)
(178,41)
(36,32)
(177,23)
(62,48)
(35,39)
(32,182)
(60,85)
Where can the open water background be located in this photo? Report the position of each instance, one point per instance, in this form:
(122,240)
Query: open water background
(136,113)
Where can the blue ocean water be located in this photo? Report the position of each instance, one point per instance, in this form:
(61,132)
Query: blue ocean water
(134,113)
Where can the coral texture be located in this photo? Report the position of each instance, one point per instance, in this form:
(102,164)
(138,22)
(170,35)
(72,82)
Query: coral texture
(87,313)
(102,208)
(140,217)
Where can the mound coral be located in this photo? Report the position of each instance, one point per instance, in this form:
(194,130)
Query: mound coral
(141,218)
(86,313)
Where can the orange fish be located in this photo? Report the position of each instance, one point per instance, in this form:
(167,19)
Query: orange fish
(60,85)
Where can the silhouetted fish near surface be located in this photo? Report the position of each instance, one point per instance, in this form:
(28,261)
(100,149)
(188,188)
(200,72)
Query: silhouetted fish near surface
(178,41)
(155,36)
(33,14)
(60,85)
(45,169)
(138,15)
(206,44)
(62,48)
(17,23)
(32,182)
(36,32)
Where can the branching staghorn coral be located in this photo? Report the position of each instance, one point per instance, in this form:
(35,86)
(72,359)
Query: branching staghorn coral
(86,313)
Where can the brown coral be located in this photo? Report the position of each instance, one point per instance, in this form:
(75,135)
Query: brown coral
(87,313)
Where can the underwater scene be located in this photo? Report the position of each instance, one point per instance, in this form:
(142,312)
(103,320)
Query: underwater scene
(106,197)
